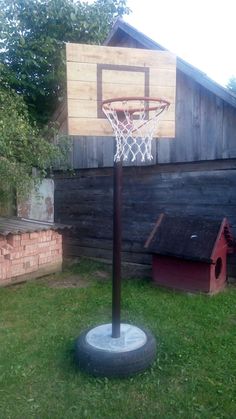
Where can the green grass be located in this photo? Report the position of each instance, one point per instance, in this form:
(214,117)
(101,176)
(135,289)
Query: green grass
(194,375)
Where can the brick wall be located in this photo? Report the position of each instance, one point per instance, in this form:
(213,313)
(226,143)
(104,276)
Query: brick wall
(29,255)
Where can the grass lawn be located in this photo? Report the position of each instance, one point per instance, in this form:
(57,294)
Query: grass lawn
(194,375)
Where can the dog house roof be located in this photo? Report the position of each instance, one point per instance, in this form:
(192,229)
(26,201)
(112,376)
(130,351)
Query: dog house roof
(187,237)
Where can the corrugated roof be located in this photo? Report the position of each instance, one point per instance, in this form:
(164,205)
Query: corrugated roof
(16,225)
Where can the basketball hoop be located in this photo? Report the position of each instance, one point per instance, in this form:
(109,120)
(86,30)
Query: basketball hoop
(134,121)
(118,349)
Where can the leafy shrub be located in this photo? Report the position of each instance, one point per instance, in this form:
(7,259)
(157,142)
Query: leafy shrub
(24,147)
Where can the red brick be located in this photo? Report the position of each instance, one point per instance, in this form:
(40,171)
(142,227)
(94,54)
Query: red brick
(25,236)
(29,268)
(4,270)
(55,235)
(17,261)
(2,239)
(56,252)
(17,248)
(43,239)
(3,273)
(30,260)
(16,255)
(58,247)
(24,253)
(44,245)
(17,270)
(6,249)
(26,242)
(43,255)
(14,239)
(34,235)
(3,276)
(57,258)
(53,243)
(45,234)
(46,259)
(31,249)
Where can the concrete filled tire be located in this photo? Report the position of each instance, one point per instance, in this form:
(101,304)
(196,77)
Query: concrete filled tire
(103,356)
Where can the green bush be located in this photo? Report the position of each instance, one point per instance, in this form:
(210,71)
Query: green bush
(23,147)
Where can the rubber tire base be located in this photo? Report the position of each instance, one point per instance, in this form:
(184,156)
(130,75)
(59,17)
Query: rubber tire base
(103,363)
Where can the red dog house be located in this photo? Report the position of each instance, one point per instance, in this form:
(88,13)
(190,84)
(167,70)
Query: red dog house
(190,254)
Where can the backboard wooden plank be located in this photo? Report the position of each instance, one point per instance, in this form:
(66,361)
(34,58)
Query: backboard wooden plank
(88,109)
(101,127)
(81,71)
(163,77)
(88,72)
(121,56)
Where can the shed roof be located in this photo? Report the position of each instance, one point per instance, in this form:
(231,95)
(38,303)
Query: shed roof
(185,237)
(16,225)
(121,27)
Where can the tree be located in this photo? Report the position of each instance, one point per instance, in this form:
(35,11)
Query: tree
(32,53)
(22,147)
(232,85)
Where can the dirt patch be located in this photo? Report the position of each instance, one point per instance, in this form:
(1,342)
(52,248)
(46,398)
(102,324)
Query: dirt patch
(70,281)
(102,275)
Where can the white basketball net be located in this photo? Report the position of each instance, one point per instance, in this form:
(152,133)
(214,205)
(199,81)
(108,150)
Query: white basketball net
(134,122)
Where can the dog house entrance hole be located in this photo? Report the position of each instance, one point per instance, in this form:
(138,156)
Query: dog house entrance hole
(218,268)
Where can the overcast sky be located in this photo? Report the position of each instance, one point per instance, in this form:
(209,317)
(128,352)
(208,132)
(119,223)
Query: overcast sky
(202,32)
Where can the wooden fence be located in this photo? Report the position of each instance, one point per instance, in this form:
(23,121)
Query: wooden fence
(85,201)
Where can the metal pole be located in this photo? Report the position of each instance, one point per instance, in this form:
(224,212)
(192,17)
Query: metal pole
(117,237)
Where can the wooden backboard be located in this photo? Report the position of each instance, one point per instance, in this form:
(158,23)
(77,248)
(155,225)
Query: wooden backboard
(96,73)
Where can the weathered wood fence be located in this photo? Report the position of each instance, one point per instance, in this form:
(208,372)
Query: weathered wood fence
(85,201)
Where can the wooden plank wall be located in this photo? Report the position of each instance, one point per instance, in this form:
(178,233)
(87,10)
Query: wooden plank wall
(94,152)
(205,126)
(85,202)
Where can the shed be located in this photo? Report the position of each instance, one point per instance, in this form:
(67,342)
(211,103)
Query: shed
(205,115)
(189,253)
(28,249)
(193,175)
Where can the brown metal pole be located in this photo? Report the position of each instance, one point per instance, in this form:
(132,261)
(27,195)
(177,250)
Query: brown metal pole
(117,237)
